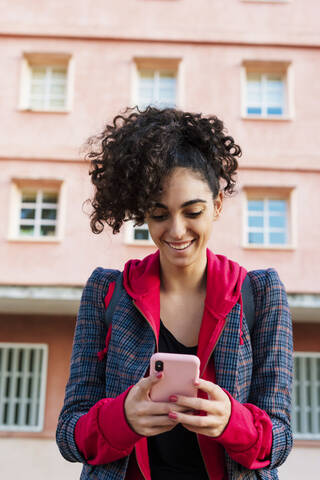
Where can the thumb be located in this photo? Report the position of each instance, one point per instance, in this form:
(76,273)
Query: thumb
(146,384)
(212,389)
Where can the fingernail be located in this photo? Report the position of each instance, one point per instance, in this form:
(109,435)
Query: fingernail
(159,375)
(173,398)
(197,383)
(173,415)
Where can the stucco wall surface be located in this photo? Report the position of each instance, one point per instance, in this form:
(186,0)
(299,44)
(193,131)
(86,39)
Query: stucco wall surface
(280,22)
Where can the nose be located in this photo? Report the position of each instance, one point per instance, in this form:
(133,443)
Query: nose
(177,229)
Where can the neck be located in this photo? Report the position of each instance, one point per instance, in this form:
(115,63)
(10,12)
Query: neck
(190,279)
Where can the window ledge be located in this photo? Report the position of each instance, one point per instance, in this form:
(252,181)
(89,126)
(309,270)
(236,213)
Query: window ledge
(31,110)
(306,443)
(267,1)
(139,243)
(35,239)
(269,247)
(282,118)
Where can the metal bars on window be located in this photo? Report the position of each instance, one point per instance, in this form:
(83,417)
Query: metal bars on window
(306,396)
(22,386)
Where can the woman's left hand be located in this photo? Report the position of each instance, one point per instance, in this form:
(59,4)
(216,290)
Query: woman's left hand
(217,408)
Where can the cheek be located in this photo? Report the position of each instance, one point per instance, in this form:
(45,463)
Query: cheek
(155,232)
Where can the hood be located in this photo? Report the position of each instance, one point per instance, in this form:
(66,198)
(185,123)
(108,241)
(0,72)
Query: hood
(141,279)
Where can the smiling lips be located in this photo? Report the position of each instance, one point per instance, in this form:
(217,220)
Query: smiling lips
(180,245)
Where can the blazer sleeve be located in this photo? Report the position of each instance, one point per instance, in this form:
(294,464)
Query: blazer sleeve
(263,424)
(272,350)
(86,430)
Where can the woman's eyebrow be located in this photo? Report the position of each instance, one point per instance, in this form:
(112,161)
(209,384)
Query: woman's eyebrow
(185,204)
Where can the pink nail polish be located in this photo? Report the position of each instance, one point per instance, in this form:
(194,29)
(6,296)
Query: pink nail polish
(159,375)
(173,398)
(172,415)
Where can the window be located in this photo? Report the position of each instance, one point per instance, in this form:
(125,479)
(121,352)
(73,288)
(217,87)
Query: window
(156,83)
(46,82)
(266,93)
(38,213)
(306,396)
(23,370)
(267,221)
(268,218)
(157,88)
(35,210)
(137,235)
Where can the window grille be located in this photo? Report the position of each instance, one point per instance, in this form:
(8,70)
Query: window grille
(156,87)
(22,386)
(265,94)
(267,221)
(306,396)
(48,88)
(38,213)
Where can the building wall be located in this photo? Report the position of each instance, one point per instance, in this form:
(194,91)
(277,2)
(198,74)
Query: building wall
(279,22)
(209,42)
(57,333)
(79,251)
(210,82)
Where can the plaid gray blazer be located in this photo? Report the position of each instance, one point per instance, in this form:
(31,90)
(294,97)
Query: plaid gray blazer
(258,372)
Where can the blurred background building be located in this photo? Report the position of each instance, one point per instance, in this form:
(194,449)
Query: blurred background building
(67,68)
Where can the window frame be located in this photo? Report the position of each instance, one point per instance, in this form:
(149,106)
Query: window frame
(20,184)
(265,68)
(129,235)
(43,387)
(47,60)
(314,384)
(273,193)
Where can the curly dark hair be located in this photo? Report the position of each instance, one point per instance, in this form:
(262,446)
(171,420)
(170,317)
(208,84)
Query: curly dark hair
(131,158)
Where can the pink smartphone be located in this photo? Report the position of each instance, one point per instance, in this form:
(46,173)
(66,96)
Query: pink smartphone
(179,373)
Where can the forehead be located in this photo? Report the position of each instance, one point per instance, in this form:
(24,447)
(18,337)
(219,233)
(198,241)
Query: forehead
(184,184)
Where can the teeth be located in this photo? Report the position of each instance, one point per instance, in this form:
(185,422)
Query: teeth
(182,246)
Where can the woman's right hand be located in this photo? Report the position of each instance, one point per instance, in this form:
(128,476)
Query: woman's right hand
(144,416)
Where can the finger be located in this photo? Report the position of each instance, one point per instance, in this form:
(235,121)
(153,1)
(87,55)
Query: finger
(214,391)
(161,408)
(152,421)
(192,420)
(145,384)
(194,403)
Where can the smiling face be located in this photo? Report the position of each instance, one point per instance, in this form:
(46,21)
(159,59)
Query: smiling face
(181,221)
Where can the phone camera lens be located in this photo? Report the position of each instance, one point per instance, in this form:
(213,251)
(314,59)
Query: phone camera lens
(159,366)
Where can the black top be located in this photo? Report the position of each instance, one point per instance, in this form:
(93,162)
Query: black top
(175,455)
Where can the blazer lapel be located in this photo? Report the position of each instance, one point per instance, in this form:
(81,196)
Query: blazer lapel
(226,352)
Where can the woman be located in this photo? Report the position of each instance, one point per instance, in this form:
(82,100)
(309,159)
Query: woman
(170,169)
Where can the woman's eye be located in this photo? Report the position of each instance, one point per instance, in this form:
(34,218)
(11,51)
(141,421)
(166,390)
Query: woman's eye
(194,214)
(158,217)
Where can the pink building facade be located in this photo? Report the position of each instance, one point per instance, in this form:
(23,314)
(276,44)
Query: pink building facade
(68,68)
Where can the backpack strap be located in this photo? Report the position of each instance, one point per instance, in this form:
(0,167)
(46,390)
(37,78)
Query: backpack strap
(248,303)
(246,292)
(118,289)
